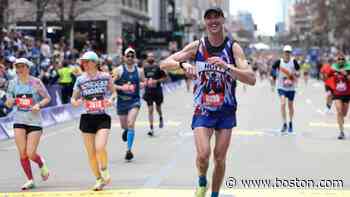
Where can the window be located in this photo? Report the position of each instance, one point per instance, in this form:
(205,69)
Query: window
(145,5)
(124,2)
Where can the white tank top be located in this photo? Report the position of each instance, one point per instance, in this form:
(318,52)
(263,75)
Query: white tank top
(283,82)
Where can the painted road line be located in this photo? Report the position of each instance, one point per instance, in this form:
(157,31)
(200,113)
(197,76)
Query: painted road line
(145,123)
(185,193)
(326,125)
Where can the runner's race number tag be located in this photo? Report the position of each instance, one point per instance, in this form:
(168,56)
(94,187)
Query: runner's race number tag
(213,99)
(341,86)
(95,105)
(24,102)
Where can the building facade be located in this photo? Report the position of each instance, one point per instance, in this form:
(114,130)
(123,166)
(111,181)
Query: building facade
(114,20)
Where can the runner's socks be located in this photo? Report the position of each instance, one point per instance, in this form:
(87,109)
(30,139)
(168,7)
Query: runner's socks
(215,194)
(202,181)
(27,168)
(131,136)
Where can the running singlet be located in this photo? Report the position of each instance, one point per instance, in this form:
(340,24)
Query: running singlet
(94,91)
(133,79)
(341,85)
(26,96)
(214,87)
(154,72)
(285,82)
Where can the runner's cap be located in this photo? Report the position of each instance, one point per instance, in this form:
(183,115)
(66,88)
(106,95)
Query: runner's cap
(91,56)
(287,48)
(24,61)
(129,50)
(217,10)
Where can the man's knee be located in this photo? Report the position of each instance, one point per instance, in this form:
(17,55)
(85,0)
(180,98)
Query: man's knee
(203,157)
(219,158)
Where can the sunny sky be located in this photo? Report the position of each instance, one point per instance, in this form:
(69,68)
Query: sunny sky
(266,13)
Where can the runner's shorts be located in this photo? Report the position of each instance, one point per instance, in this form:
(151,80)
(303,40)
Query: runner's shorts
(344,99)
(27,128)
(124,108)
(153,97)
(214,121)
(288,94)
(91,123)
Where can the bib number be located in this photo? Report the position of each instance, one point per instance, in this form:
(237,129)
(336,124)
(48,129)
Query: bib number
(213,99)
(287,83)
(94,105)
(24,102)
(341,86)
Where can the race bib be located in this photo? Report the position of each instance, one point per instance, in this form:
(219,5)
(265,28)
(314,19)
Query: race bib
(24,102)
(213,99)
(341,86)
(287,83)
(95,105)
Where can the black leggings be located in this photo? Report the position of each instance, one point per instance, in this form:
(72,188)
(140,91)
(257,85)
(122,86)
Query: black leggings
(66,92)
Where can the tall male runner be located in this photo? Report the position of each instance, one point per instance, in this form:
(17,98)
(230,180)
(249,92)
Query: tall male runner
(219,62)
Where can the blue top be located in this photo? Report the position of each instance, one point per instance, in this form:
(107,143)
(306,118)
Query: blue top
(214,87)
(132,78)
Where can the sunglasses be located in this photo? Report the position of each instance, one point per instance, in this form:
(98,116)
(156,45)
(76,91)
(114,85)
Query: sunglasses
(130,56)
(341,59)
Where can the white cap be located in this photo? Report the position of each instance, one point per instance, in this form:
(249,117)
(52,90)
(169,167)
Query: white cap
(287,48)
(129,50)
(23,61)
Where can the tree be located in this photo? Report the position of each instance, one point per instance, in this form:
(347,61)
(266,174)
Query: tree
(41,7)
(69,10)
(3,8)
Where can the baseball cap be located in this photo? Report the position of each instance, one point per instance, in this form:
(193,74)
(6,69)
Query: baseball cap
(217,10)
(287,48)
(91,56)
(129,50)
(23,61)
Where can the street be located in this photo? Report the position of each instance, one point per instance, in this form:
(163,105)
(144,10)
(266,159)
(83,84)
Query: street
(164,165)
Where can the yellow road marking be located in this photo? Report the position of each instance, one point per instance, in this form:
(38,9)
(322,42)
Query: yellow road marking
(326,125)
(185,193)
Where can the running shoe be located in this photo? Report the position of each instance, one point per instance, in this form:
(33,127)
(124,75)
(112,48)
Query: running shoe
(201,191)
(150,133)
(129,156)
(341,136)
(106,176)
(28,185)
(98,185)
(125,135)
(284,128)
(44,172)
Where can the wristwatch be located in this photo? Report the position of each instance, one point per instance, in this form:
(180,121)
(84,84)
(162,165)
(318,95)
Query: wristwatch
(181,65)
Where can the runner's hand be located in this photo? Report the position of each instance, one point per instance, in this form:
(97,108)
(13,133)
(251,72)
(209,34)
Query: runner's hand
(218,62)
(77,103)
(151,82)
(10,102)
(36,108)
(109,102)
(189,69)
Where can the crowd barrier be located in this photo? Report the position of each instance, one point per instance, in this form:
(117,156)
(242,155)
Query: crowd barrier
(57,114)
